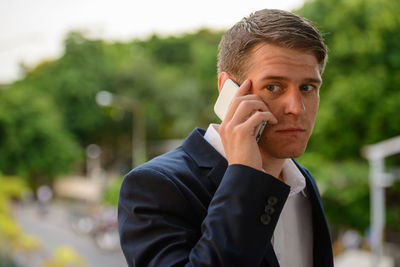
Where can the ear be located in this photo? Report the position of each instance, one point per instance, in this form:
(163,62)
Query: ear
(222,79)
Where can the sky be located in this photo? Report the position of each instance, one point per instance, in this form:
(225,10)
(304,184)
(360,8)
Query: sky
(33,30)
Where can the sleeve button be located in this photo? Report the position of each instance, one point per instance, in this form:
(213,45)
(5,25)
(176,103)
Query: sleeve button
(265,219)
(269,210)
(272,200)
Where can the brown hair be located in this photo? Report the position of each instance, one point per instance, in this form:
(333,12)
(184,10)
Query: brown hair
(271,26)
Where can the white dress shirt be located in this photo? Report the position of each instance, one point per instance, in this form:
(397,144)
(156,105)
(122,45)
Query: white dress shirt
(293,235)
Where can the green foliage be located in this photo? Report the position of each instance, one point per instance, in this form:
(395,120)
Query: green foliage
(173,79)
(111,193)
(33,142)
(72,82)
(345,190)
(12,237)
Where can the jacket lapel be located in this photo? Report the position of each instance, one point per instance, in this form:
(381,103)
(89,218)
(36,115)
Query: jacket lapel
(270,258)
(205,155)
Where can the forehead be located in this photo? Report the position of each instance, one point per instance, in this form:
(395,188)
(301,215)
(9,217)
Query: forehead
(272,59)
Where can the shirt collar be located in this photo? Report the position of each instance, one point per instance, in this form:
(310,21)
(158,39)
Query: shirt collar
(291,174)
(212,137)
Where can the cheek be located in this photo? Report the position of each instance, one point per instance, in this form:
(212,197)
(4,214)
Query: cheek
(312,106)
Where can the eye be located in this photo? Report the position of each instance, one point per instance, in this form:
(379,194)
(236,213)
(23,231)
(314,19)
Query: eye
(307,87)
(272,87)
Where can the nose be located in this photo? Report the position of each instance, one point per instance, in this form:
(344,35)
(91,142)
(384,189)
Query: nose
(293,102)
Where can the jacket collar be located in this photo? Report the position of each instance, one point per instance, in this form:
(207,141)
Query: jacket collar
(205,154)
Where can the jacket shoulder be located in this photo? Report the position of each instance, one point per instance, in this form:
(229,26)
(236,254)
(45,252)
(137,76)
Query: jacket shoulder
(175,172)
(171,164)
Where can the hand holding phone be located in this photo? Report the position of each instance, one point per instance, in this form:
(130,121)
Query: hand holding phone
(228,92)
(243,115)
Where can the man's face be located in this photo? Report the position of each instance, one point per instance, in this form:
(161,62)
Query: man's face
(288,81)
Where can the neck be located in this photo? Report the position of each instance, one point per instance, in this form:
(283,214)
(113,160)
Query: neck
(273,166)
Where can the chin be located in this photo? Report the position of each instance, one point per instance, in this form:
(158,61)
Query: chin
(294,154)
(287,155)
(282,152)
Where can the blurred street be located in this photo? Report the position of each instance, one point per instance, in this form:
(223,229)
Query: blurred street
(55,228)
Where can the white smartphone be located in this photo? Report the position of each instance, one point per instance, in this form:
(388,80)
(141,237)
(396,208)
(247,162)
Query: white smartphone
(225,97)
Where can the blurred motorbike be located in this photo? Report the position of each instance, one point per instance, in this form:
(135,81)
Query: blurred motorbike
(101,225)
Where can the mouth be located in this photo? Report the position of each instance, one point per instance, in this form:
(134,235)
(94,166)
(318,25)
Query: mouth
(291,131)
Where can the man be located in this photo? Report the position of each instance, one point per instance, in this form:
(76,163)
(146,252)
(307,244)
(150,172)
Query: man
(222,199)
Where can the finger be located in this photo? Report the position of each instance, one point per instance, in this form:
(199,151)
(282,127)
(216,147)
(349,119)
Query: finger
(244,89)
(258,117)
(255,120)
(233,106)
(246,109)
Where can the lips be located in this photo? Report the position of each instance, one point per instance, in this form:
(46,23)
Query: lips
(291,130)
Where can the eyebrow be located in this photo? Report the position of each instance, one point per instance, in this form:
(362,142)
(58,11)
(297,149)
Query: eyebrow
(281,78)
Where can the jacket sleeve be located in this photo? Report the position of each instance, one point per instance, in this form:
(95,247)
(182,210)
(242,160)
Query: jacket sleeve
(239,224)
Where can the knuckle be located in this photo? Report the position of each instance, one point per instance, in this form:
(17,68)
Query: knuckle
(247,104)
(241,130)
(236,100)
(237,130)
(262,114)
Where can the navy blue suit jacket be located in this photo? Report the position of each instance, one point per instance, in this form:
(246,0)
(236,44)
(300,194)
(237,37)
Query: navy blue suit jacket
(189,208)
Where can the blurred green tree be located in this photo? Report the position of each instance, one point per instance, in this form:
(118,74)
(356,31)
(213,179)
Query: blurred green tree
(33,140)
(172,77)
(72,82)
